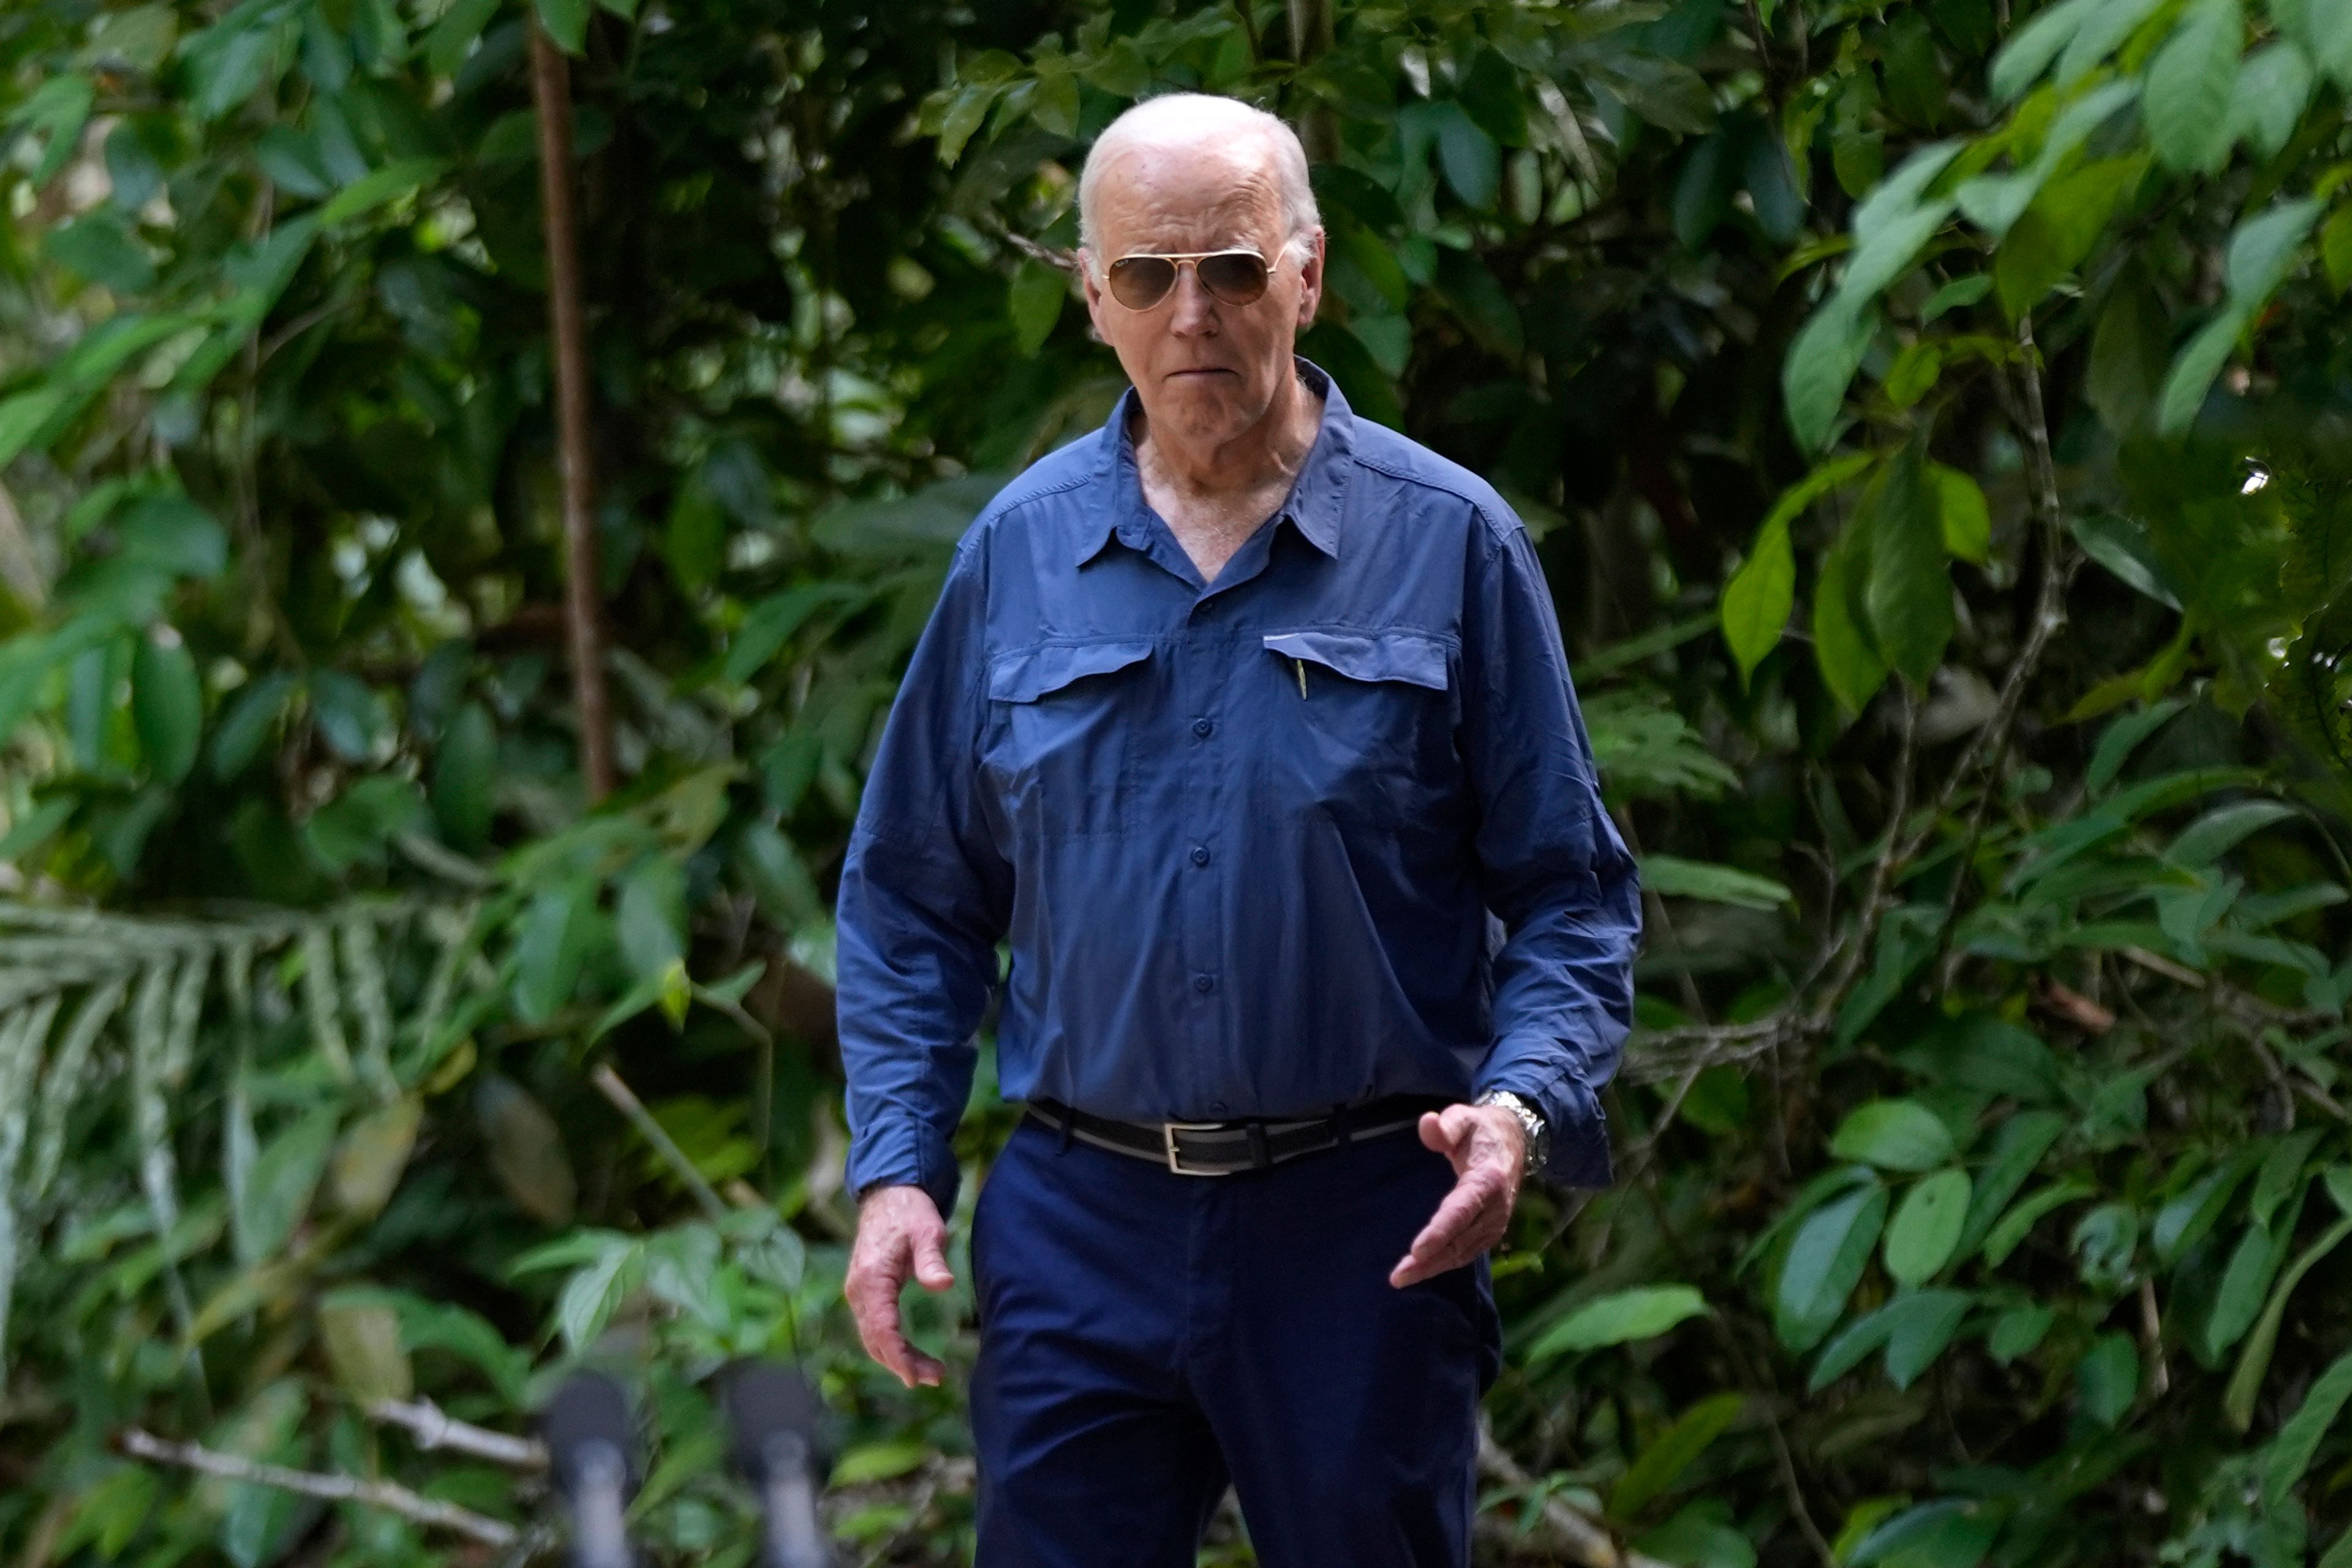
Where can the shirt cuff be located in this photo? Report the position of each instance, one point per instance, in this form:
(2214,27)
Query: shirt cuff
(903,1152)
(1571,1113)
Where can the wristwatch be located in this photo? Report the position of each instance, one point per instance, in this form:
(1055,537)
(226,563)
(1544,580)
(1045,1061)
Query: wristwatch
(1531,1121)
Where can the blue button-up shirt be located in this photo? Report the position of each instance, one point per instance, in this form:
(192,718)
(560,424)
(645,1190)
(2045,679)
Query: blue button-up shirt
(1324,829)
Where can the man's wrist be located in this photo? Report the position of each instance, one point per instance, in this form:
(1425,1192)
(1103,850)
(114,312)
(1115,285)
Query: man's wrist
(1530,1118)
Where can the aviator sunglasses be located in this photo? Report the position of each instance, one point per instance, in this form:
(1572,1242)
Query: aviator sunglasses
(1236,277)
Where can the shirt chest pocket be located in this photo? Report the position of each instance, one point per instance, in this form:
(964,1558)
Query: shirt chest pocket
(1374,721)
(1062,723)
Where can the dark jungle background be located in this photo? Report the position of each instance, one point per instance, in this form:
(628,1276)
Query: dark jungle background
(1935,419)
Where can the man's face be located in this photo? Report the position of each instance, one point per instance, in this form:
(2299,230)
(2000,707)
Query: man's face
(1205,370)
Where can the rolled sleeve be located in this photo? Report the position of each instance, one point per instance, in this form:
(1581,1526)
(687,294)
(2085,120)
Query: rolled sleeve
(924,895)
(1553,867)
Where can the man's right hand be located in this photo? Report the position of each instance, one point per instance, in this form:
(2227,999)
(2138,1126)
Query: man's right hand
(899,1232)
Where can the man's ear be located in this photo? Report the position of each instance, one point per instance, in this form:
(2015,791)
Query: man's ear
(1310,277)
(1088,281)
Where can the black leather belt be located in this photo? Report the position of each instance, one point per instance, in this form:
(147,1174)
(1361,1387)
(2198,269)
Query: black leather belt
(1224,1148)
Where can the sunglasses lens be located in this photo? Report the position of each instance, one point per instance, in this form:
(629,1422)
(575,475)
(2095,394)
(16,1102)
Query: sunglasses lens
(1236,277)
(1140,282)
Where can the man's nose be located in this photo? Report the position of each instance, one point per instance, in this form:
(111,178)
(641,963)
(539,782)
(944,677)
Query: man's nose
(1192,310)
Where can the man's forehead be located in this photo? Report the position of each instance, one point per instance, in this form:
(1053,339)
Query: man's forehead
(1163,184)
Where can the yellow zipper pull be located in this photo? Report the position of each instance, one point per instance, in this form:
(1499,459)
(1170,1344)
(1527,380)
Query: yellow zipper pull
(1302,677)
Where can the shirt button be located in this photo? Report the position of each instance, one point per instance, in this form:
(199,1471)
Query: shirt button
(1200,854)
(1203,728)
(1204,984)
(1218,1106)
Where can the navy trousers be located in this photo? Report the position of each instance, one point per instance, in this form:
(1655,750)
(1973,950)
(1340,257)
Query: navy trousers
(1147,1337)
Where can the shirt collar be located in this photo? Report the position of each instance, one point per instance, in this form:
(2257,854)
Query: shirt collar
(1313,505)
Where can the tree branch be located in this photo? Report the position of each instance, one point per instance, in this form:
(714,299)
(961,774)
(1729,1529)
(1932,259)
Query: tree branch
(1585,1540)
(550,89)
(386,1495)
(433,1427)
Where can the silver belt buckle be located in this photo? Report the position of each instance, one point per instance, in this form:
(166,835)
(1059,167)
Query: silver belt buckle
(1168,1131)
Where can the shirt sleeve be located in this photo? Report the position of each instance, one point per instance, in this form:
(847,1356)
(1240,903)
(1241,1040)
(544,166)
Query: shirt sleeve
(924,895)
(1553,867)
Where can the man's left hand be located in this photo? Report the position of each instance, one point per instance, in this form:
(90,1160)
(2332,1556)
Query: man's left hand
(1488,1148)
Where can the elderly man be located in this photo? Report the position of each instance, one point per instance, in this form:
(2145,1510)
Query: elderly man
(1245,725)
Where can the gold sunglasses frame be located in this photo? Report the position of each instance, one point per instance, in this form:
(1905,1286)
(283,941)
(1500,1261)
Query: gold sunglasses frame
(1194,258)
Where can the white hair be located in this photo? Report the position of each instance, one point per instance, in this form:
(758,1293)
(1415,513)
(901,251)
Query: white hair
(1181,118)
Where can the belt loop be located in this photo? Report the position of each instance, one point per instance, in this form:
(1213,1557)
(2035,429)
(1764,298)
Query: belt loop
(1069,1125)
(1340,1126)
(1259,1158)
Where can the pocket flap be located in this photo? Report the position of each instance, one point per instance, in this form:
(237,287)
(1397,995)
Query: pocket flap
(1416,658)
(1028,673)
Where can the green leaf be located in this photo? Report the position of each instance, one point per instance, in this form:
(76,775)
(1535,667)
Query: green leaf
(1849,664)
(2273,90)
(650,920)
(2223,829)
(1923,1323)
(1894,1135)
(1034,301)
(2290,1454)
(56,112)
(593,1293)
(1471,161)
(882,1461)
(1950,1533)
(1926,1229)
(2029,50)
(452,39)
(465,777)
(779,879)
(2255,1361)
(566,22)
(1673,1451)
(2122,737)
(2106,1379)
(1758,599)
(2190,81)
(1671,877)
(2263,246)
(363,1344)
(1615,1320)
(1962,514)
(167,704)
(2017,1332)
(557,929)
(1825,1261)
(2018,1147)
(526,1149)
(350,716)
(2194,368)
(1908,592)
(100,247)
(375,189)
(245,724)
(374,1153)
(2253,1263)
(2099,36)
(772,621)
(966,109)
(279,1188)
(1822,359)
(1470,292)
(227,63)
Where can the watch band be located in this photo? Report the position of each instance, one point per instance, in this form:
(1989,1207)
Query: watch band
(1531,1121)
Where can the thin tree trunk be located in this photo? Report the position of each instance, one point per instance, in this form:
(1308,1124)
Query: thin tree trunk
(550,87)
(1311,32)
